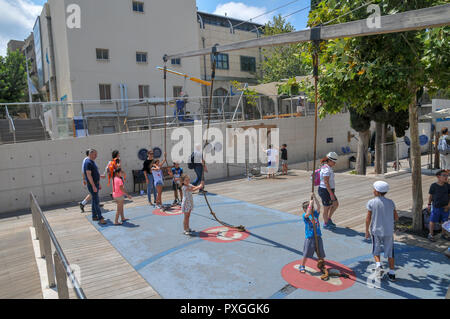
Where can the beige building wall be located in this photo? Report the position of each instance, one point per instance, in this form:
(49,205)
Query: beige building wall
(165,27)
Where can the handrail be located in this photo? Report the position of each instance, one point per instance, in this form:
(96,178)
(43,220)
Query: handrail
(12,127)
(58,250)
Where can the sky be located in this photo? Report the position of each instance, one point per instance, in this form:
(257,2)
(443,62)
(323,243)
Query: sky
(17,17)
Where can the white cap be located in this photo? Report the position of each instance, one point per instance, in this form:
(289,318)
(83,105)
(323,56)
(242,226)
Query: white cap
(381,186)
(332,156)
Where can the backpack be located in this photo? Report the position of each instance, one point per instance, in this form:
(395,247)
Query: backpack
(316,177)
(191,162)
(442,146)
(110,168)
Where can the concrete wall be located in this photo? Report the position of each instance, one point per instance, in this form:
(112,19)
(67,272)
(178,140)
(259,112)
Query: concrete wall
(52,169)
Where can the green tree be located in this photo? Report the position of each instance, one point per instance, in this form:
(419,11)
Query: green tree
(380,77)
(13,80)
(281,62)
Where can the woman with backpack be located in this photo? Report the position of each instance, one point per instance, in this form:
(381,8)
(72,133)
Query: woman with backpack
(327,189)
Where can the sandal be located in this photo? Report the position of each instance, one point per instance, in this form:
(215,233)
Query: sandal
(118,224)
(302,269)
(124,220)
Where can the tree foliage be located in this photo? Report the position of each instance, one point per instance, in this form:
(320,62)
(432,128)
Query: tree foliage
(281,62)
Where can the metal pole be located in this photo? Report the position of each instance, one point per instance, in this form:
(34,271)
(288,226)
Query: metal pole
(149,123)
(165,103)
(118,117)
(85,123)
(316,79)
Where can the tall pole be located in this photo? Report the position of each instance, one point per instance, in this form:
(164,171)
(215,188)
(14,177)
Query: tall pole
(315,57)
(49,76)
(165,103)
(30,96)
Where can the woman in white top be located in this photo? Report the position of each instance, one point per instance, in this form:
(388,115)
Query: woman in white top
(327,189)
(158,180)
(272,161)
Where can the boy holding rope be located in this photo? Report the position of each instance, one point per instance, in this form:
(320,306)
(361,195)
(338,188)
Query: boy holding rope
(311,216)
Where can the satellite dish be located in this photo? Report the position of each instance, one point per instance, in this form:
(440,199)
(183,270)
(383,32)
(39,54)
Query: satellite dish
(157,152)
(407,141)
(218,147)
(142,154)
(423,140)
(208,148)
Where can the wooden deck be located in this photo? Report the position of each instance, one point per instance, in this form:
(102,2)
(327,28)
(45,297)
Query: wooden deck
(19,276)
(106,274)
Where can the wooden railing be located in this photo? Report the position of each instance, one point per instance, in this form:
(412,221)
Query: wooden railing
(58,267)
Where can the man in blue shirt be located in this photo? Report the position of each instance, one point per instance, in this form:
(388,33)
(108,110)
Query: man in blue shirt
(92,177)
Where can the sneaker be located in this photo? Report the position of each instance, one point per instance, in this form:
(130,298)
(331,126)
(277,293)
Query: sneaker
(331,223)
(175,202)
(187,232)
(328,226)
(302,269)
(431,238)
(95,218)
(391,277)
(81,207)
(101,205)
(102,221)
(379,271)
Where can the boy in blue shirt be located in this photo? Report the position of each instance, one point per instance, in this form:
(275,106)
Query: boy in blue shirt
(177,171)
(310,244)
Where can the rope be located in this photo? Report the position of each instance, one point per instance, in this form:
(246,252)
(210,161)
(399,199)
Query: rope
(213,75)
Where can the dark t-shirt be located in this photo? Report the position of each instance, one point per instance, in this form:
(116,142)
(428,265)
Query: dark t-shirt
(284,154)
(439,194)
(147,166)
(89,165)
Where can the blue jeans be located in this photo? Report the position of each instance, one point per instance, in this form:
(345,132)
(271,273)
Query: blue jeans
(150,187)
(198,168)
(96,211)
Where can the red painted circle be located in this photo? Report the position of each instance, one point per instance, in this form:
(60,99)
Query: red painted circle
(222,234)
(311,279)
(174,210)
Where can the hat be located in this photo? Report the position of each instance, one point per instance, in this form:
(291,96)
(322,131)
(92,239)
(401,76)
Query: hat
(381,186)
(332,156)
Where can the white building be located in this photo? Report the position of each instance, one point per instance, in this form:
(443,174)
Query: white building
(110,50)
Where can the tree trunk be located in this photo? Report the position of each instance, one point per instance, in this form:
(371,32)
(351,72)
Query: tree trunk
(416,171)
(361,157)
(378,161)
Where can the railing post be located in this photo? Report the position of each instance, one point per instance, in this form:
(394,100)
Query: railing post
(61,278)
(118,117)
(48,258)
(40,230)
(85,123)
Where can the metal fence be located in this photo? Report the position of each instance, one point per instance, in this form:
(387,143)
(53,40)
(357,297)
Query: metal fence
(58,267)
(80,118)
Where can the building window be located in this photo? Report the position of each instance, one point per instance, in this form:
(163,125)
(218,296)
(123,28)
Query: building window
(222,61)
(144,91)
(248,64)
(175,61)
(141,57)
(102,54)
(105,91)
(138,6)
(177,91)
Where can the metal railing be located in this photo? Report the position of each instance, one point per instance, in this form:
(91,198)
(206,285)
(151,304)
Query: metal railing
(69,119)
(12,128)
(58,266)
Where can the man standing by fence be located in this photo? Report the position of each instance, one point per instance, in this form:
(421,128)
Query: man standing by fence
(92,176)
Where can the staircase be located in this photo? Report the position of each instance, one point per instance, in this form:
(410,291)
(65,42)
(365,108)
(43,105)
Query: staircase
(26,131)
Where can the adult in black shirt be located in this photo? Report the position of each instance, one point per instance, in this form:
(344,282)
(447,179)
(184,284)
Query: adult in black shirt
(438,201)
(284,159)
(92,176)
(147,169)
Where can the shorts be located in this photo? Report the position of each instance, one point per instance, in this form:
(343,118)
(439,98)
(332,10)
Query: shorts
(284,162)
(309,248)
(383,244)
(159,183)
(438,215)
(120,198)
(325,196)
(176,186)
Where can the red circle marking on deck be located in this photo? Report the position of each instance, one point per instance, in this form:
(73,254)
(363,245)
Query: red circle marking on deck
(175,210)
(312,282)
(222,234)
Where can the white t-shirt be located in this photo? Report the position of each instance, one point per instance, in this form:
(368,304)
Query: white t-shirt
(272,155)
(326,171)
(198,157)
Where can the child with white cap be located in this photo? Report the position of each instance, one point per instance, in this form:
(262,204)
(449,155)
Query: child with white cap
(380,224)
